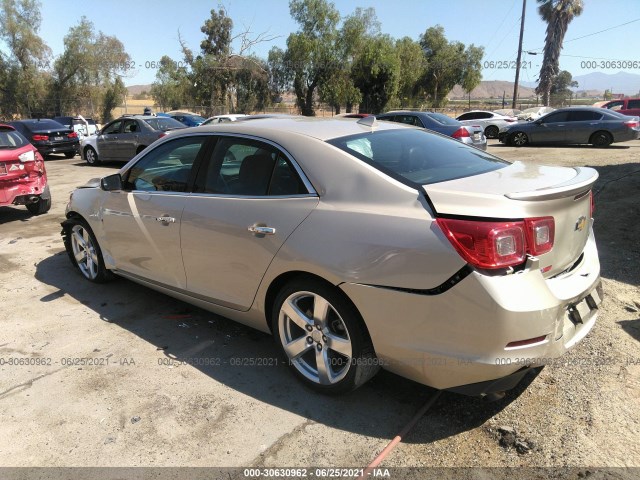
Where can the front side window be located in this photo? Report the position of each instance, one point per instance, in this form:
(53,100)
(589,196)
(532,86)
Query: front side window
(113,128)
(165,168)
(556,117)
(418,156)
(247,167)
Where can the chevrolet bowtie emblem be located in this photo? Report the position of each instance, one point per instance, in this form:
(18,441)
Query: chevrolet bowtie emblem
(581,223)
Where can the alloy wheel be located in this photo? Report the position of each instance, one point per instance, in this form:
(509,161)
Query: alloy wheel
(315,338)
(84,252)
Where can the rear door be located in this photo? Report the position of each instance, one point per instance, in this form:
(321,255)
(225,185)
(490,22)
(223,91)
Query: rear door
(250,198)
(582,124)
(107,142)
(142,221)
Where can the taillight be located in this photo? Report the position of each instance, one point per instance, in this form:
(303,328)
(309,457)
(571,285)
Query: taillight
(72,135)
(592,204)
(486,244)
(491,245)
(162,134)
(40,138)
(461,132)
(632,123)
(540,235)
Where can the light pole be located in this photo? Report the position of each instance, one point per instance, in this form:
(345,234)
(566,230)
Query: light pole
(515,86)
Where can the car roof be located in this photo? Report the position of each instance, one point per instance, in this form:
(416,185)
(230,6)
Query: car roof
(319,128)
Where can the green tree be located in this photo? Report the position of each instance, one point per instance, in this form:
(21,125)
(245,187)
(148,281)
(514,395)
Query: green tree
(412,67)
(561,86)
(445,65)
(472,68)
(279,73)
(376,73)
(171,88)
(113,97)
(311,53)
(24,80)
(89,61)
(558,14)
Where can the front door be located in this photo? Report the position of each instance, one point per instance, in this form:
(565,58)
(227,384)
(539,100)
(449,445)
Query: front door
(108,141)
(142,222)
(550,128)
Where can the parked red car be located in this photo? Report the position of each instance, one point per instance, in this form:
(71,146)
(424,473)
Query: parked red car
(23,178)
(625,106)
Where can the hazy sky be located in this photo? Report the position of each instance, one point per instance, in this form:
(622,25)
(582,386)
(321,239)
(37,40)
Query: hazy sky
(149,29)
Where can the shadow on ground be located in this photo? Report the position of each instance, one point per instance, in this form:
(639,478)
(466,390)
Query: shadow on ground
(616,224)
(380,408)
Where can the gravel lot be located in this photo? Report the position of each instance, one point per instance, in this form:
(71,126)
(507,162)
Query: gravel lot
(131,405)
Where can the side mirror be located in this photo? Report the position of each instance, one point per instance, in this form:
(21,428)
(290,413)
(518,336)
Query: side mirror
(111,183)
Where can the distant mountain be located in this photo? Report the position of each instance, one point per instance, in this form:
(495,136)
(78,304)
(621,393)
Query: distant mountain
(621,82)
(492,89)
(137,89)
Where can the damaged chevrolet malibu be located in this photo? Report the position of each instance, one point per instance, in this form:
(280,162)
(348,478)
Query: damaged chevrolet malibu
(359,245)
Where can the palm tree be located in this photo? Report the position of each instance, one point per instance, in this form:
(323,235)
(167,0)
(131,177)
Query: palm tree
(558,15)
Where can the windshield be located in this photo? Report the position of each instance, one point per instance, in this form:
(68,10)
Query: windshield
(163,123)
(418,156)
(10,139)
(195,118)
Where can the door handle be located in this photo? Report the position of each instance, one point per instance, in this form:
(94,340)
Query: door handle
(166,220)
(262,230)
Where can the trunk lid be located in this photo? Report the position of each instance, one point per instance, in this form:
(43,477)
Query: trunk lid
(521,191)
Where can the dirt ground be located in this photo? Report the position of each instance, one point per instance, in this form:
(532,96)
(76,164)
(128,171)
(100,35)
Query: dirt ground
(161,383)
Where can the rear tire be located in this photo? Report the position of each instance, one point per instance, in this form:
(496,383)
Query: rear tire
(601,139)
(91,156)
(84,251)
(491,131)
(518,139)
(323,337)
(40,207)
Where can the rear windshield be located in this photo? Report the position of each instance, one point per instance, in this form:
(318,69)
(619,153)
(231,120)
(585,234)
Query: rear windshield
(443,119)
(163,123)
(418,157)
(10,139)
(195,118)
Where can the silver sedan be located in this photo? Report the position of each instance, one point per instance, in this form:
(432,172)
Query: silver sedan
(357,244)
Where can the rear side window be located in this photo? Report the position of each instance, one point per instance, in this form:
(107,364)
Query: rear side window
(633,104)
(10,139)
(578,116)
(247,167)
(417,156)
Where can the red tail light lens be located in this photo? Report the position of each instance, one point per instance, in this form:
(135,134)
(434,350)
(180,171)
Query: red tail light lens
(632,124)
(461,132)
(162,134)
(593,204)
(540,235)
(492,245)
(72,135)
(486,244)
(40,138)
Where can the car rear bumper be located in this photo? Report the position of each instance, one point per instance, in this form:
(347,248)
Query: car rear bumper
(66,147)
(466,335)
(22,192)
